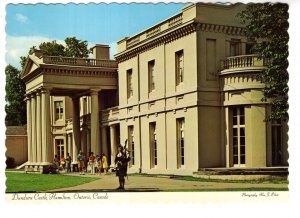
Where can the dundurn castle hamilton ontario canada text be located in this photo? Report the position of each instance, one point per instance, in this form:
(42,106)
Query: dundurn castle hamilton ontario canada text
(186,94)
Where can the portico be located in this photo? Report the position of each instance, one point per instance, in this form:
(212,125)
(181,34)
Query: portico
(46,77)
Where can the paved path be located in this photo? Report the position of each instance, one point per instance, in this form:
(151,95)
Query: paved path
(109,183)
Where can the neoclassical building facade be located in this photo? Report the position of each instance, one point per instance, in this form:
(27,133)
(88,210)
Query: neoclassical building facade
(186,94)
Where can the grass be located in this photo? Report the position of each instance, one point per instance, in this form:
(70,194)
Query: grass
(191,178)
(21,182)
(227,189)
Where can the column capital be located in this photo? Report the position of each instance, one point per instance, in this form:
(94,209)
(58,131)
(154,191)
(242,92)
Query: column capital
(94,91)
(27,97)
(45,90)
(32,94)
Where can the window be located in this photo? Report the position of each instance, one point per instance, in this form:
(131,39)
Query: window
(131,145)
(249,48)
(179,67)
(276,143)
(238,134)
(180,141)
(153,144)
(84,111)
(151,65)
(129,84)
(59,110)
(60,148)
(235,47)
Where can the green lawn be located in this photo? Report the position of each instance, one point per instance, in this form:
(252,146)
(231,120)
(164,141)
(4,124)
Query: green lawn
(258,189)
(21,182)
(191,178)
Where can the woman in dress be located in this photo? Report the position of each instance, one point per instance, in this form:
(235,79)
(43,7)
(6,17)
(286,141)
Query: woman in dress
(104,163)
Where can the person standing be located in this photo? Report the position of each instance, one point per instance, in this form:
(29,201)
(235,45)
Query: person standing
(121,161)
(99,164)
(80,163)
(104,163)
(63,162)
(91,163)
(56,162)
(68,163)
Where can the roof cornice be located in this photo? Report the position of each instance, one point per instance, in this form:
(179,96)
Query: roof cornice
(174,34)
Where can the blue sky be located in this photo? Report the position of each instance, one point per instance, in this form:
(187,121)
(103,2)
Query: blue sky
(29,25)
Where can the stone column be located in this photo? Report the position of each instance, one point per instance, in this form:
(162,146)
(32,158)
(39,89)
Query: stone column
(88,140)
(69,136)
(113,144)
(84,140)
(104,146)
(38,128)
(29,144)
(76,129)
(46,130)
(65,145)
(95,142)
(33,124)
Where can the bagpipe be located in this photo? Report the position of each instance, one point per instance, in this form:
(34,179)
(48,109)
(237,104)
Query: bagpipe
(126,150)
(126,156)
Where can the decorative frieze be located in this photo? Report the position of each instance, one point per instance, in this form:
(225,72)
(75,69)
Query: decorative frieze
(83,72)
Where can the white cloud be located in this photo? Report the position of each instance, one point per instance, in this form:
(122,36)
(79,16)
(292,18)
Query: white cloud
(21,18)
(17,46)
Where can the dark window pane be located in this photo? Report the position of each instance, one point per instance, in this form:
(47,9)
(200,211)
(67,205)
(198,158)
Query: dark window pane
(242,131)
(234,121)
(242,110)
(243,160)
(242,120)
(242,151)
(235,140)
(242,140)
(234,111)
(235,132)
(235,150)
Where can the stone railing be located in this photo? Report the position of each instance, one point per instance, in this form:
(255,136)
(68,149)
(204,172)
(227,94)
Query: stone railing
(79,61)
(153,31)
(175,20)
(133,41)
(243,61)
(110,114)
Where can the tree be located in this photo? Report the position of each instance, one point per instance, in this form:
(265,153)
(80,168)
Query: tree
(15,88)
(268,24)
(15,107)
(76,48)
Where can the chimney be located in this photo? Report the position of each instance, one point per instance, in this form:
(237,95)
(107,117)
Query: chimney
(38,53)
(100,51)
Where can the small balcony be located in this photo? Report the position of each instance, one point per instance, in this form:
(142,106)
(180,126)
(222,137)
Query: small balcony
(243,63)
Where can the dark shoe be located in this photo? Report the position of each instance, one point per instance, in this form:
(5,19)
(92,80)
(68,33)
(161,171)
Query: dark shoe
(119,187)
